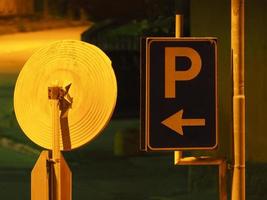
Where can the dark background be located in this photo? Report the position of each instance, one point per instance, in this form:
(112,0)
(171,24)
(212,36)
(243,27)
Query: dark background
(112,167)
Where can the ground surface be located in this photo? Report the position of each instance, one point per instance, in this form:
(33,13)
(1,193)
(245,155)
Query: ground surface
(30,24)
(16,48)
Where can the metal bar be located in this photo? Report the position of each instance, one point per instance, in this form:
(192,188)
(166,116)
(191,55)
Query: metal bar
(204,160)
(178,26)
(178,33)
(56,151)
(56,173)
(237,45)
(177,156)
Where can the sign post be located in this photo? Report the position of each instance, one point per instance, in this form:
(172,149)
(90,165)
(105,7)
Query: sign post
(178,33)
(179,100)
(60,118)
(237,43)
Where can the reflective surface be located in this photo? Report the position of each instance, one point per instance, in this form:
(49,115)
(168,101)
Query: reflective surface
(93,89)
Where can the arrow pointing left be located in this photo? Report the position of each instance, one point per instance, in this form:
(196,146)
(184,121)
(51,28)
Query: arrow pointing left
(176,122)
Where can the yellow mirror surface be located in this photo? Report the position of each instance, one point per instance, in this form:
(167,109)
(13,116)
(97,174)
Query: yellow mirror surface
(93,90)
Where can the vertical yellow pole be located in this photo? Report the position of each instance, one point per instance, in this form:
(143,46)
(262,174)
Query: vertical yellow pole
(56,179)
(178,33)
(237,44)
(178,26)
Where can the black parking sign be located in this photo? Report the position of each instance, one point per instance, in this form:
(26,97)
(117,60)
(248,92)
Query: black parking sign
(179,97)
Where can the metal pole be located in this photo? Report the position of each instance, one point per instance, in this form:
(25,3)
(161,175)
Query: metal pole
(178,26)
(237,44)
(56,184)
(178,156)
(54,94)
(178,33)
